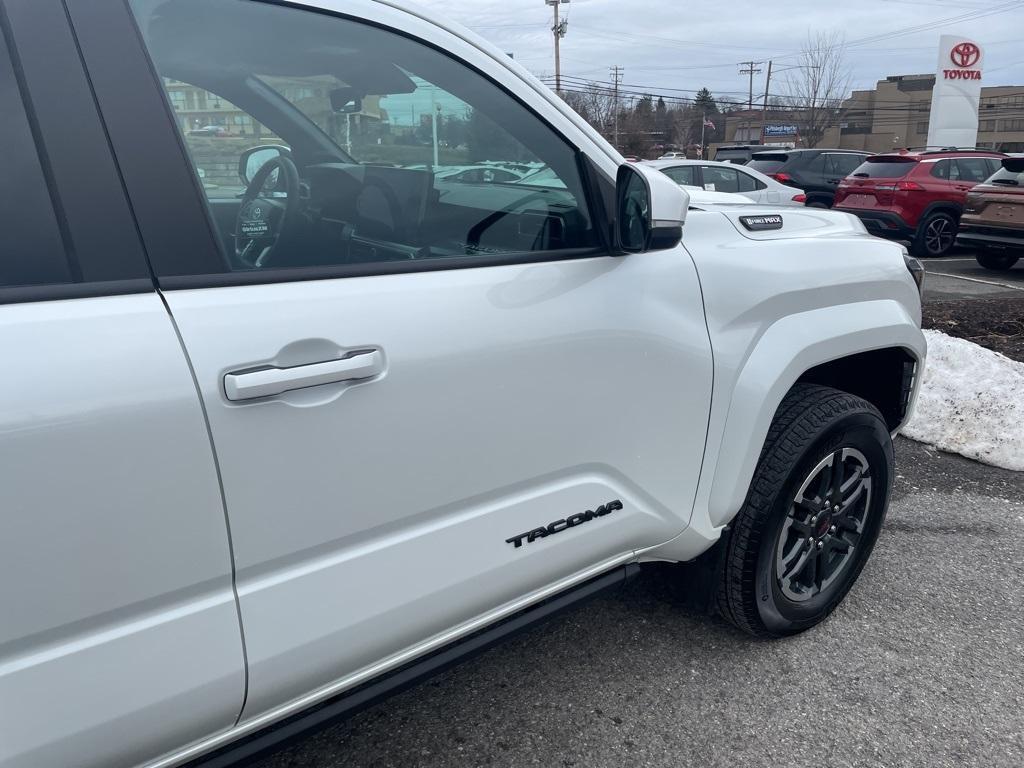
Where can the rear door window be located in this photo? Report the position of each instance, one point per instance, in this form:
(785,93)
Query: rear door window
(972,169)
(718,179)
(846,164)
(683,174)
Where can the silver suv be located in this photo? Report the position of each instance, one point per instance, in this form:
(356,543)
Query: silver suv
(292,417)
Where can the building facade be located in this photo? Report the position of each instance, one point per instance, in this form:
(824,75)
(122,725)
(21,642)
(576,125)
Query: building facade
(892,115)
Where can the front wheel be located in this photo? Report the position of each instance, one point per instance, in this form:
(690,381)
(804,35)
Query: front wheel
(811,517)
(999,262)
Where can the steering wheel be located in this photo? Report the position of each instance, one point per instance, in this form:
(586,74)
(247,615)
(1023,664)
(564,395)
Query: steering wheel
(263,221)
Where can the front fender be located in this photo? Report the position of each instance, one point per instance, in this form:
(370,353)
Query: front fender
(788,348)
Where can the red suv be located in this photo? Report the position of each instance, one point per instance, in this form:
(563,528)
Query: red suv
(916,195)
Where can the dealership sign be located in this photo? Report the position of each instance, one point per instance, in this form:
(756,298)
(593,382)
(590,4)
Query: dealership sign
(964,56)
(781,130)
(954,114)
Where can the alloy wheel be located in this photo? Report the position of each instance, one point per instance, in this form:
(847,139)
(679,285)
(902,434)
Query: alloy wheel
(824,525)
(939,235)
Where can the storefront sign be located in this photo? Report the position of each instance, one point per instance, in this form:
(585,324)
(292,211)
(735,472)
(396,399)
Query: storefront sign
(954,114)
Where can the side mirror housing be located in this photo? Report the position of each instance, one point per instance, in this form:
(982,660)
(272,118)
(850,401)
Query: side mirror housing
(252,159)
(650,209)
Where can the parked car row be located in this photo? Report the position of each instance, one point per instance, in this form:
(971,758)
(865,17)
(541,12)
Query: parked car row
(916,196)
(932,198)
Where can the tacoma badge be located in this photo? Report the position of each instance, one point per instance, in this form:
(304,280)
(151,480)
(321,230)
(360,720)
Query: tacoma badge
(560,525)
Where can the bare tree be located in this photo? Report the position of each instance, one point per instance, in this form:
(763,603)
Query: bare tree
(816,87)
(595,103)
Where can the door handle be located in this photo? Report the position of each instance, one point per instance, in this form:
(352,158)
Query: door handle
(264,382)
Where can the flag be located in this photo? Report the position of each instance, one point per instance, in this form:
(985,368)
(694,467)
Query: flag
(709,124)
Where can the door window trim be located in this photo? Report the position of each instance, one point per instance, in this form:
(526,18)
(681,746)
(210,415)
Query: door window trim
(108,50)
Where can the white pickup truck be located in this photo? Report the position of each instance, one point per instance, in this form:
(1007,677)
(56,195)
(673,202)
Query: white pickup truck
(280,441)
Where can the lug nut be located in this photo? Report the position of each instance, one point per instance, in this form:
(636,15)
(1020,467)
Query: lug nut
(835,508)
(821,544)
(814,519)
(832,529)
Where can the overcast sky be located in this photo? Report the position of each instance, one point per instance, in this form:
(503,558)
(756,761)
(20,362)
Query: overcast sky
(674,44)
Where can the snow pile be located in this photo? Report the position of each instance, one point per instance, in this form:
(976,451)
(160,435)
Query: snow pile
(971,402)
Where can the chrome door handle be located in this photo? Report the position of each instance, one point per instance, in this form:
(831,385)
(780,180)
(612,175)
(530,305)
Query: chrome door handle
(264,382)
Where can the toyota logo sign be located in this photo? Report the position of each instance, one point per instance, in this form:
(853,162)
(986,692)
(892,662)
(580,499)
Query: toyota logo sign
(965,54)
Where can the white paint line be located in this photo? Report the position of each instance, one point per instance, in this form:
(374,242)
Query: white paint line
(976,280)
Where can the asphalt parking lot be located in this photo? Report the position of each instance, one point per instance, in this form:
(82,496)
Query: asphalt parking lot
(922,665)
(959,276)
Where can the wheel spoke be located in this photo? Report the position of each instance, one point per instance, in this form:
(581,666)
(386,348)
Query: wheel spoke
(849,502)
(793,555)
(847,523)
(811,506)
(810,571)
(837,476)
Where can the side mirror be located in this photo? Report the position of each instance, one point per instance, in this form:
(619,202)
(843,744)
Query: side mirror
(650,209)
(254,158)
(346,100)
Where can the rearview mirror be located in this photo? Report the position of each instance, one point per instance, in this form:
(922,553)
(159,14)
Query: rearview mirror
(346,100)
(650,209)
(254,158)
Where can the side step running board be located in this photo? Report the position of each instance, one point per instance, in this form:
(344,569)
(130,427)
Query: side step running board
(344,705)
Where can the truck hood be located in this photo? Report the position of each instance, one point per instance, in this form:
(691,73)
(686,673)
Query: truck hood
(762,222)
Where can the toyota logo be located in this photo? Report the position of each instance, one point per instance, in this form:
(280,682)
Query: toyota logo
(965,54)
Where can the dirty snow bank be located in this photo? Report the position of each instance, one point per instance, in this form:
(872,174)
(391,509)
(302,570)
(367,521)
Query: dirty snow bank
(971,402)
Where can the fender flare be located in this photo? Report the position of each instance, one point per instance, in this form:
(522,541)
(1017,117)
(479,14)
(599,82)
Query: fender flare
(788,348)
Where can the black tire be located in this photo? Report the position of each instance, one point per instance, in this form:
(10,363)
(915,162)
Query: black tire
(936,235)
(998,262)
(812,424)
(818,203)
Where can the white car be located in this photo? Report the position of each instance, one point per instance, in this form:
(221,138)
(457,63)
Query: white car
(729,177)
(268,458)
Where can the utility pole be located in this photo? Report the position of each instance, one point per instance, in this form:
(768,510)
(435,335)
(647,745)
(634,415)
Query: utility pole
(616,79)
(751,69)
(558,29)
(764,106)
(703,126)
